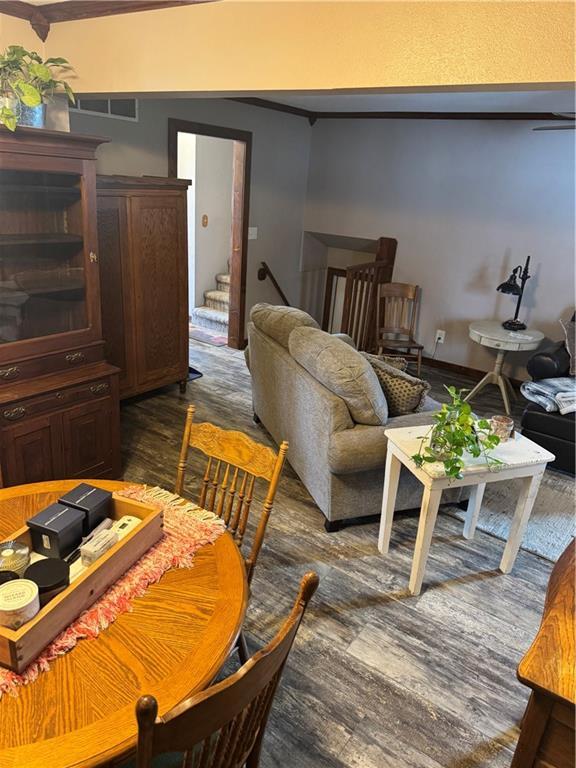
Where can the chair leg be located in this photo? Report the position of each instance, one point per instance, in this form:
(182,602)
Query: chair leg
(242,646)
(419,363)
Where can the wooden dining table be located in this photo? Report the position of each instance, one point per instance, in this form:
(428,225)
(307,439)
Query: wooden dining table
(173,643)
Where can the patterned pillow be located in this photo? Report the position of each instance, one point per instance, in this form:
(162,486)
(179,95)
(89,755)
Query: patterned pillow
(396,362)
(404,393)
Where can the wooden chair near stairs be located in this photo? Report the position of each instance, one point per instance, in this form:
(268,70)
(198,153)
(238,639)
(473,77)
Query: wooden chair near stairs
(234,462)
(397,322)
(224,726)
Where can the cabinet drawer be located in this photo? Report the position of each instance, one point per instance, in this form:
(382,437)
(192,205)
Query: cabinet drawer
(53,401)
(59,361)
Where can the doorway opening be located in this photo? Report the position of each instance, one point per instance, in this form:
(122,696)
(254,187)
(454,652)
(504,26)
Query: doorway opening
(217,160)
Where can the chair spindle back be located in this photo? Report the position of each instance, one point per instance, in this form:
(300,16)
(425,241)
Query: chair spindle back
(234,462)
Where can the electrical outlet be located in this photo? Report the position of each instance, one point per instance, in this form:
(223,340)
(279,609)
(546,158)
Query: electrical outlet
(440,336)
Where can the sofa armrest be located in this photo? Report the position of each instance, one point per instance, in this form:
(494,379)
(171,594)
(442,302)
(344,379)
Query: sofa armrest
(549,363)
(357,450)
(363,447)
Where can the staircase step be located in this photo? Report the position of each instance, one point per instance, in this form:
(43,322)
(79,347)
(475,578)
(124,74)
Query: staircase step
(219,300)
(206,317)
(223,283)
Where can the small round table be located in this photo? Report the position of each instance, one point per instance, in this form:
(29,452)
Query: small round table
(490,333)
(81,712)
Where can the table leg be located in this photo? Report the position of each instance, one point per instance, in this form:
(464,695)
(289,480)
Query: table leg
(391,476)
(524,506)
(428,514)
(473,510)
(504,392)
(488,379)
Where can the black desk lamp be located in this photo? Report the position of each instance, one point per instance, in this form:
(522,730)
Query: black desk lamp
(511,286)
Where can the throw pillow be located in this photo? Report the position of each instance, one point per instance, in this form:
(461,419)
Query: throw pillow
(279,322)
(570,333)
(396,362)
(342,370)
(404,393)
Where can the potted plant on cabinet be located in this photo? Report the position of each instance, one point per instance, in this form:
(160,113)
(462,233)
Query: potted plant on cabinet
(27,82)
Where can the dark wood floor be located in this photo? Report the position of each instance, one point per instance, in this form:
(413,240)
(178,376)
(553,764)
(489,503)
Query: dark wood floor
(377,678)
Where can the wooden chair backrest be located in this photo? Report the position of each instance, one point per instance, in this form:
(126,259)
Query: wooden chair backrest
(223,726)
(361,295)
(227,487)
(398,309)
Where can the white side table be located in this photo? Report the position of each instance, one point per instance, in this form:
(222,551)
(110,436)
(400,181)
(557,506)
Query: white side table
(490,333)
(522,458)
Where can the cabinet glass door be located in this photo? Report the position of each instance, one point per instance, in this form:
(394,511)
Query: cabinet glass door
(42,276)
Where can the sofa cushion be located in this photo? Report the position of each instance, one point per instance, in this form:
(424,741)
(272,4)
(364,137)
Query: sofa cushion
(279,322)
(404,393)
(396,362)
(343,371)
(364,448)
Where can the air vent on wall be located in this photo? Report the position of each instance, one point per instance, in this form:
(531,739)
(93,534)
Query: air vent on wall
(123,109)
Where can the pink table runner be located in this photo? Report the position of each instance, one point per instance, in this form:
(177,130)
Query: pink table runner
(187,527)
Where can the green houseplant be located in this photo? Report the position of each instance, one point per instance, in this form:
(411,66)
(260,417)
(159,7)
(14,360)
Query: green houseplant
(26,83)
(455,432)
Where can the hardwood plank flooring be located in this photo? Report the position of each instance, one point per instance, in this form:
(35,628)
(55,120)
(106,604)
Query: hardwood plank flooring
(377,678)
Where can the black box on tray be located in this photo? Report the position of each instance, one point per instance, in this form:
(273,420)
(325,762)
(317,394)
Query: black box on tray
(57,530)
(94,502)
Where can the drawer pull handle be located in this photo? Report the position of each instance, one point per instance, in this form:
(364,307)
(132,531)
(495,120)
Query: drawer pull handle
(10,373)
(98,389)
(75,357)
(13,414)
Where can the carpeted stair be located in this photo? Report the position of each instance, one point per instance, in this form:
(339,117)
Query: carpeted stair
(214,313)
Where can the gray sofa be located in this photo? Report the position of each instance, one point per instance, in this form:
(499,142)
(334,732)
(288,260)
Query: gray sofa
(340,462)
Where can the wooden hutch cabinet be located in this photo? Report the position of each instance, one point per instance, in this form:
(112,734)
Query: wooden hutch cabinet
(59,403)
(142,230)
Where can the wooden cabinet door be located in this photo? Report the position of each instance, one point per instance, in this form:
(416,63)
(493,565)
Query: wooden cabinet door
(87,439)
(160,264)
(116,288)
(31,451)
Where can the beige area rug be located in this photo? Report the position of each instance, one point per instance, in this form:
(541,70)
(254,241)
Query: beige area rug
(552,523)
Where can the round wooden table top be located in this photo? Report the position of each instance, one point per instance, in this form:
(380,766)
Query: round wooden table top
(81,712)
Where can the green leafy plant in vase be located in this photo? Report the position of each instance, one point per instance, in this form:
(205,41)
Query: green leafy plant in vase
(27,82)
(455,433)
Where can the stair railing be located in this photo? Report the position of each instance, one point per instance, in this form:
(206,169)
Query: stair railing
(264,271)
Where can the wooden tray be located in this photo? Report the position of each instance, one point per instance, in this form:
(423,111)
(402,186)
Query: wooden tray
(19,647)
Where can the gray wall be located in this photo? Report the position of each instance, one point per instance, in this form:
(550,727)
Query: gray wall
(214,172)
(467,200)
(280,154)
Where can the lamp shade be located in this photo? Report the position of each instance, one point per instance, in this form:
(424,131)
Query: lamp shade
(510,286)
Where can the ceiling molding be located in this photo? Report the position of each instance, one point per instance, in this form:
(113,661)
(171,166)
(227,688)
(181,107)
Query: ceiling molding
(276,106)
(42,16)
(312,117)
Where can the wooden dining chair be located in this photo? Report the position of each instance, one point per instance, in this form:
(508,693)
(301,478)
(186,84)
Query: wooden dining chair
(227,487)
(397,315)
(223,727)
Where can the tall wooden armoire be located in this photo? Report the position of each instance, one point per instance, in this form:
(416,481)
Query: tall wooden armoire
(59,404)
(142,229)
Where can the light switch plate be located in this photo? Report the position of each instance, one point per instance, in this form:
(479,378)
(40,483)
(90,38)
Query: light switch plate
(252,233)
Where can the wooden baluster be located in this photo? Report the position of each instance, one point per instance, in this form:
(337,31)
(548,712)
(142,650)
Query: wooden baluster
(223,489)
(214,489)
(245,511)
(231,494)
(352,321)
(239,504)
(205,481)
